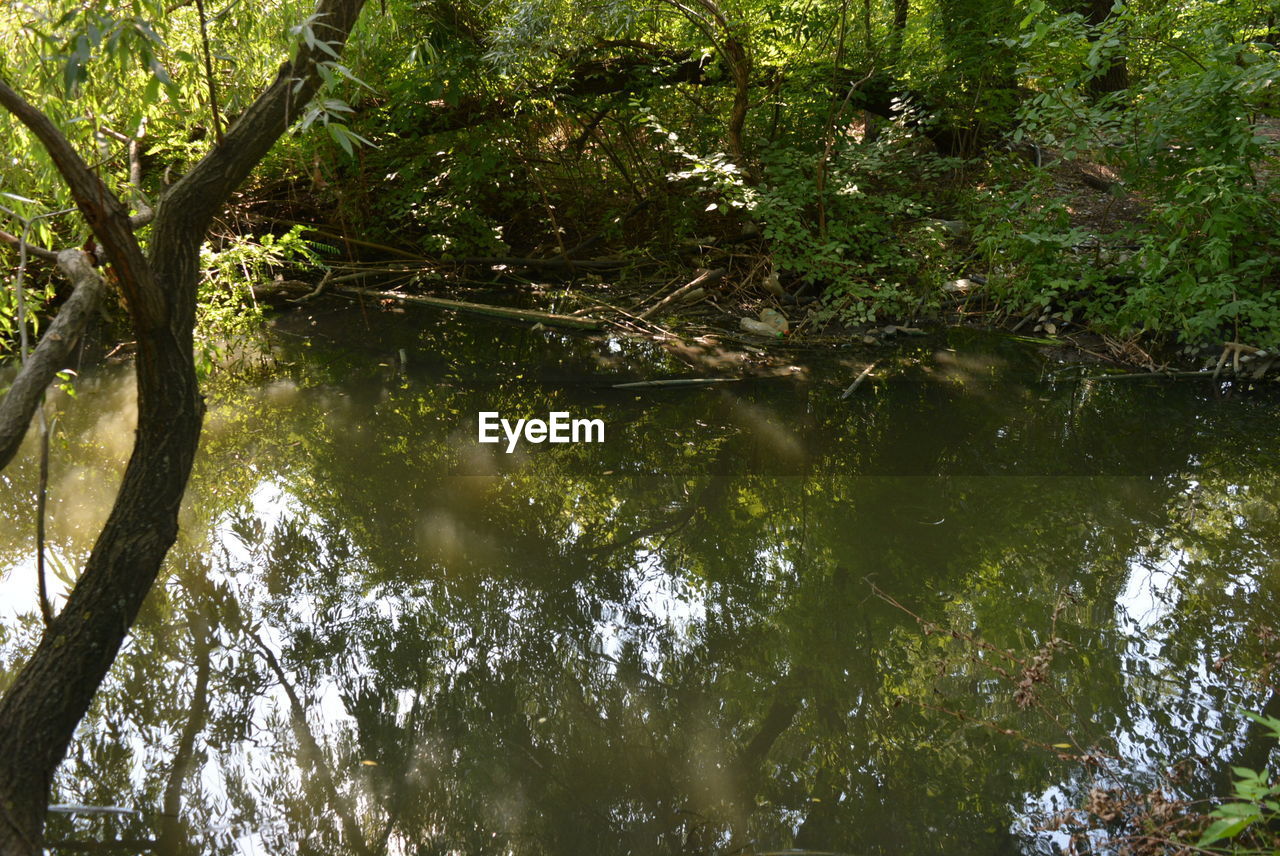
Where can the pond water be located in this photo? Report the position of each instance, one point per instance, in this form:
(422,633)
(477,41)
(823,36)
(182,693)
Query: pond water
(757,618)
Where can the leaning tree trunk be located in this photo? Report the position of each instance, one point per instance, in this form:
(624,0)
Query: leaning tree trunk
(53,690)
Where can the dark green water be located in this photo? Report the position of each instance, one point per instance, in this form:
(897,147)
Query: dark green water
(669,642)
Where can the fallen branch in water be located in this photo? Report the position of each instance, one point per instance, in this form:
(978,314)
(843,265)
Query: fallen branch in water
(857,382)
(706,277)
(639,324)
(317,291)
(1153,375)
(676,381)
(546,318)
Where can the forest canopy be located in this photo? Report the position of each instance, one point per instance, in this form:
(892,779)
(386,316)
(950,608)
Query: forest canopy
(1103,164)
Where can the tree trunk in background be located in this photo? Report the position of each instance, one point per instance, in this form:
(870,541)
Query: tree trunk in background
(984,94)
(55,687)
(899,31)
(968,26)
(739,61)
(868,39)
(1114,75)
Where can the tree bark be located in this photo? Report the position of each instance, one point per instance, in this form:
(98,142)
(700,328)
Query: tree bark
(1114,77)
(897,35)
(739,60)
(54,688)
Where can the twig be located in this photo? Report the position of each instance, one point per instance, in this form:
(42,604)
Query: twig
(706,277)
(857,382)
(653,294)
(315,292)
(208,72)
(658,329)
(1154,375)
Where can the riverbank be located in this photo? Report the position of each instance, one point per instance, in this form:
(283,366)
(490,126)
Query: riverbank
(717,324)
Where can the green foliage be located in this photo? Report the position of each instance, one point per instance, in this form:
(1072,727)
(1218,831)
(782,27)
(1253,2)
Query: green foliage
(1255,804)
(228,315)
(33,225)
(434,196)
(477,129)
(862,239)
(36,299)
(1201,263)
(1040,260)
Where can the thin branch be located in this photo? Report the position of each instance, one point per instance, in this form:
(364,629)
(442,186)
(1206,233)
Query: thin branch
(146,213)
(107,131)
(315,757)
(700,22)
(208,72)
(106,214)
(35,250)
(857,382)
(20,242)
(46,611)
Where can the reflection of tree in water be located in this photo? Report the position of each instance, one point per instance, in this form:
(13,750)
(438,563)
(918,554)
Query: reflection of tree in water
(565,655)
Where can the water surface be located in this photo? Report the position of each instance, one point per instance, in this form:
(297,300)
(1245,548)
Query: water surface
(757,618)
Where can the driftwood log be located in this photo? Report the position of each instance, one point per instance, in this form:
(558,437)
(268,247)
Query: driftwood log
(532,316)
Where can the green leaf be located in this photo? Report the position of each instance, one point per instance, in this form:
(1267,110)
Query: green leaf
(338,132)
(1220,830)
(161,73)
(1236,810)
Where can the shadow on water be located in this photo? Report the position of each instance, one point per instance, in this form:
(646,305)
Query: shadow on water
(380,636)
